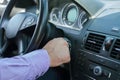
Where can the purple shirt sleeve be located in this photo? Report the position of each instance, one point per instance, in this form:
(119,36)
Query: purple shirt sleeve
(26,67)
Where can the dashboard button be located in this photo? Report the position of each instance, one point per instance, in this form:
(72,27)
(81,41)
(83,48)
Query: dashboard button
(107,73)
(97,71)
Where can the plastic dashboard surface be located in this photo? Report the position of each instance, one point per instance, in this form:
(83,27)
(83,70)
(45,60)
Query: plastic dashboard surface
(107,22)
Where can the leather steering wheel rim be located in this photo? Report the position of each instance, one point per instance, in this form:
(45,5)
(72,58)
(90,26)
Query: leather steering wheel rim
(40,29)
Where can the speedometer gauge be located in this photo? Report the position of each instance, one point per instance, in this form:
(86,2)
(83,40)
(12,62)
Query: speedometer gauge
(70,14)
(54,16)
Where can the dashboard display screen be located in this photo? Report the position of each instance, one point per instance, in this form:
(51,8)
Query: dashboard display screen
(72,15)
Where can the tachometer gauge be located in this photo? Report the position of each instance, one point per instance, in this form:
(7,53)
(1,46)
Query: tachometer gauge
(70,14)
(54,15)
(83,18)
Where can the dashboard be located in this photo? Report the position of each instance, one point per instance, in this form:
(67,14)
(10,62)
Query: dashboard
(94,31)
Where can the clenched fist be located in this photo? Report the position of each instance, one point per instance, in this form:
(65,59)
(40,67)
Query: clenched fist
(58,51)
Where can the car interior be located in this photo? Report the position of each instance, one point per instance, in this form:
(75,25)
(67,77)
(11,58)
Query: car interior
(91,28)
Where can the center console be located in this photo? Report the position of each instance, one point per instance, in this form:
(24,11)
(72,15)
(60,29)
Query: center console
(99,58)
(99,55)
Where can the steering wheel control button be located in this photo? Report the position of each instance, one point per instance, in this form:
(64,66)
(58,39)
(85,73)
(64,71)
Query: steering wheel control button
(29,20)
(97,71)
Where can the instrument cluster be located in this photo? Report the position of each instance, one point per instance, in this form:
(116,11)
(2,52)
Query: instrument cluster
(70,15)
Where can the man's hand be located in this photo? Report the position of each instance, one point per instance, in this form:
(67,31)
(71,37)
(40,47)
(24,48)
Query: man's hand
(58,51)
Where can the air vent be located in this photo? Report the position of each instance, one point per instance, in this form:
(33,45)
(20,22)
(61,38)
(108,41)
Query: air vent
(115,53)
(94,42)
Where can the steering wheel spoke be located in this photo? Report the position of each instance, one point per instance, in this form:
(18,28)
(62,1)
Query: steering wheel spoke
(4,48)
(23,21)
(22,41)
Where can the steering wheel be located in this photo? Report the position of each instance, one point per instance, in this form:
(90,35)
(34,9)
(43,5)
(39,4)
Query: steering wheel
(10,27)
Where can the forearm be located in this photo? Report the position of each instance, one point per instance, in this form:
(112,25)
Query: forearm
(26,67)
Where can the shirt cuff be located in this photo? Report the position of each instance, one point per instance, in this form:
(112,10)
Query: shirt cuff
(40,61)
